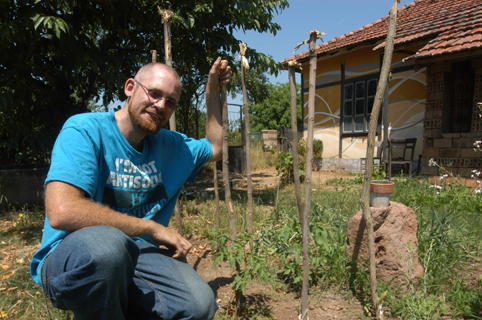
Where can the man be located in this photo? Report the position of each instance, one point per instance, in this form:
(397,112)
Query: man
(110,192)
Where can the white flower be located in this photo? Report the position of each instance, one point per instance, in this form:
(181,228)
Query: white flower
(431,162)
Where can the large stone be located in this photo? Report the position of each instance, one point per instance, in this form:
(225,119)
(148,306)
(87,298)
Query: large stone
(396,243)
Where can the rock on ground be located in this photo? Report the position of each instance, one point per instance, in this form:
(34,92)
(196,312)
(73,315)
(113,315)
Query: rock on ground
(396,243)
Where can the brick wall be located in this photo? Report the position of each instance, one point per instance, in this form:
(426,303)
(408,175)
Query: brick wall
(454,151)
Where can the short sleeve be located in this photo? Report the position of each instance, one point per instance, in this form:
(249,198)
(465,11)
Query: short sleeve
(202,152)
(75,160)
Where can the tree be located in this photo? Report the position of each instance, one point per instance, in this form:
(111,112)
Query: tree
(60,56)
(274,110)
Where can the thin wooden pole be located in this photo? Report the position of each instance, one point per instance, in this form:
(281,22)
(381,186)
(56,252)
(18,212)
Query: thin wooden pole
(365,198)
(309,158)
(227,189)
(153,56)
(294,129)
(244,67)
(216,195)
(166,16)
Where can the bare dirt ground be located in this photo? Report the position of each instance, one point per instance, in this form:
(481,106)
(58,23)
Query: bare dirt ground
(279,304)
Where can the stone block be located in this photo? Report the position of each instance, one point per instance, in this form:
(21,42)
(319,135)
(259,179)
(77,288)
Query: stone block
(429,171)
(442,143)
(430,153)
(436,133)
(470,153)
(462,143)
(472,183)
(441,67)
(439,77)
(439,95)
(449,152)
(451,135)
(428,115)
(437,114)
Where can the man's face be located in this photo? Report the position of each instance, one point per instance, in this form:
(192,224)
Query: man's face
(148,108)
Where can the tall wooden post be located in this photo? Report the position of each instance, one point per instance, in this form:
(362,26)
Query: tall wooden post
(294,127)
(244,67)
(166,16)
(309,160)
(227,189)
(365,198)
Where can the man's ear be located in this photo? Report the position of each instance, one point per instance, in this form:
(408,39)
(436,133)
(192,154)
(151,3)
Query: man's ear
(129,87)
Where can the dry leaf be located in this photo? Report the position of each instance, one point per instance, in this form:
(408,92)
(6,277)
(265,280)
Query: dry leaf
(5,266)
(3,314)
(21,261)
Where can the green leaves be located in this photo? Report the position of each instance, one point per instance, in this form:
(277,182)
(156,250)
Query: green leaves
(60,57)
(57,25)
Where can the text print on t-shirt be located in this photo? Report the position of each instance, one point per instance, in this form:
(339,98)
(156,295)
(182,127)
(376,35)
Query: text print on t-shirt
(135,189)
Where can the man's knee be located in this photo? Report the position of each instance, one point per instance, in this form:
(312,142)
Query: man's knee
(101,248)
(203,304)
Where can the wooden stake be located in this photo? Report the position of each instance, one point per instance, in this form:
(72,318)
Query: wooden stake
(294,127)
(154,56)
(244,66)
(309,159)
(227,189)
(365,198)
(166,16)
(216,195)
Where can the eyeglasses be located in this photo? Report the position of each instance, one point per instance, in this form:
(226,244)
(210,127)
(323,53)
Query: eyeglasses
(155,96)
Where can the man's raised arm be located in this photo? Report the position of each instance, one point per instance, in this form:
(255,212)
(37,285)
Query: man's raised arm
(220,74)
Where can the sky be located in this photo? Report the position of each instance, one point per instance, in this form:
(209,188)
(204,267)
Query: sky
(333,17)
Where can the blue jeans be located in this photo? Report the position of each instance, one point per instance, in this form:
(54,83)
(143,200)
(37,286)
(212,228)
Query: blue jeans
(100,273)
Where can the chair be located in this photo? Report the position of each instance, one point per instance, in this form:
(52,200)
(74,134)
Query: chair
(400,153)
(376,160)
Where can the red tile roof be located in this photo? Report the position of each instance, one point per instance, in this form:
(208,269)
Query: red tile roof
(449,26)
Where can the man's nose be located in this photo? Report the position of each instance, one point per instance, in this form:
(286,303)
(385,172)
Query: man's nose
(161,103)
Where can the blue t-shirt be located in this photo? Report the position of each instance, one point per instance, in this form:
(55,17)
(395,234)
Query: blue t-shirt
(92,154)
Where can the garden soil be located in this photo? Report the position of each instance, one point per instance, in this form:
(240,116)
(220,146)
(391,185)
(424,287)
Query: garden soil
(261,299)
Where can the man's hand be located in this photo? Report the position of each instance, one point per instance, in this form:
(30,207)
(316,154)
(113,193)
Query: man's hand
(220,73)
(172,240)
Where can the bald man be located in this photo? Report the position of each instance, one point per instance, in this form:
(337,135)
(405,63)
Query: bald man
(110,192)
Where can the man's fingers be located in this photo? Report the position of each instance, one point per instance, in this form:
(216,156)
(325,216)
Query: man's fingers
(214,69)
(223,66)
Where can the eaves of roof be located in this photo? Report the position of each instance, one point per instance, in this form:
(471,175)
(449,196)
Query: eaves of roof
(448,26)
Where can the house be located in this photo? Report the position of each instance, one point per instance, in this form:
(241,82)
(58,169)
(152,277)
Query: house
(434,87)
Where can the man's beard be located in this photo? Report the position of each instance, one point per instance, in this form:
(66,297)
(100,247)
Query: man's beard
(145,125)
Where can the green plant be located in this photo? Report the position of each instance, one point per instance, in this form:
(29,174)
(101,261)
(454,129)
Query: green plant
(317,149)
(285,165)
(238,252)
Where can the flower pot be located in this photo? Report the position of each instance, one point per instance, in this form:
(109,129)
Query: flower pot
(380,193)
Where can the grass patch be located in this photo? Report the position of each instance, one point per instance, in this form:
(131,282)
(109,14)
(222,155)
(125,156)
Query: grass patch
(450,248)
(20,297)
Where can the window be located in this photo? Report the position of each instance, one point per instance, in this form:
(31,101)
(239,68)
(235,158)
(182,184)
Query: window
(460,85)
(358,99)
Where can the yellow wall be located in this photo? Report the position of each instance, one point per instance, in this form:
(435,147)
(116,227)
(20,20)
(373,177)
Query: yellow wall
(407,92)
